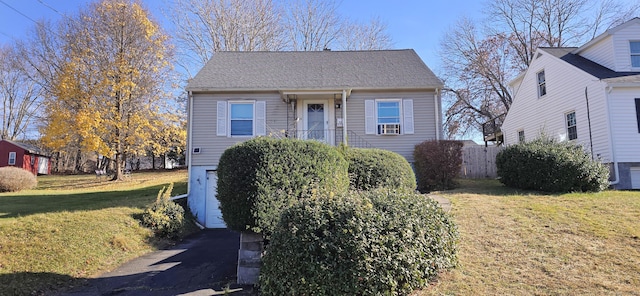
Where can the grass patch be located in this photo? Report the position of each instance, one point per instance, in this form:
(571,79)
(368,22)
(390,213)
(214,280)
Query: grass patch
(527,243)
(66,230)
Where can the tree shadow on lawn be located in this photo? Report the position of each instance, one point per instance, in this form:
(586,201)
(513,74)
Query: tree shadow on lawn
(488,187)
(204,262)
(23,205)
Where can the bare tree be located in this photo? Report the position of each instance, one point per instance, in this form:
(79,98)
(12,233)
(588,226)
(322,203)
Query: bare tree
(312,24)
(366,36)
(20,95)
(480,62)
(203,27)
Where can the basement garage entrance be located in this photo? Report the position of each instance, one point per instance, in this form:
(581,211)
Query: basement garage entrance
(213,218)
(635,177)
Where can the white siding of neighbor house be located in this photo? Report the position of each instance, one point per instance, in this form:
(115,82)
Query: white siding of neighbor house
(204,120)
(622,51)
(602,53)
(424,110)
(624,124)
(565,93)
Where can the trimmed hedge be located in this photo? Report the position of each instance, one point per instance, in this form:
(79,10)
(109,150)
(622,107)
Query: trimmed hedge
(14,179)
(551,166)
(437,164)
(367,243)
(164,216)
(261,177)
(374,168)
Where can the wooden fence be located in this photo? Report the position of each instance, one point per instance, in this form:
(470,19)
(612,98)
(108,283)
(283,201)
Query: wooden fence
(479,162)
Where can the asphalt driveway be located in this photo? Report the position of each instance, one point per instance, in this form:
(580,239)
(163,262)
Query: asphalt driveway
(203,264)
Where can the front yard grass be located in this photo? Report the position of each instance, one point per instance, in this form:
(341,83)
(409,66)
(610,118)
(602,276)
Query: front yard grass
(527,243)
(74,227)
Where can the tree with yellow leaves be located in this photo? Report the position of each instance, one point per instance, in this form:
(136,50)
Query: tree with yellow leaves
(106,92)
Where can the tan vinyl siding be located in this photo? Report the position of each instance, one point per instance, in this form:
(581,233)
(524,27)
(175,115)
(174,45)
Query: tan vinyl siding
(204,123)
(424,121)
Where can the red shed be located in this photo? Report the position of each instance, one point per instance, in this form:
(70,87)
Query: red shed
(26,156)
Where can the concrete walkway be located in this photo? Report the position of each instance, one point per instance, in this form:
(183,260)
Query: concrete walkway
(445,204)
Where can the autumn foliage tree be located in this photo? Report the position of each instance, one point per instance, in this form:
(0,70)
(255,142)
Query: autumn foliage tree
(106,92)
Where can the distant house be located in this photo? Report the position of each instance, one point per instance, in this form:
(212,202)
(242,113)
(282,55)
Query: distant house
(24,156)
(589,95)
(387,99)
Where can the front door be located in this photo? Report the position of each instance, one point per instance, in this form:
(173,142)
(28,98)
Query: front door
(316,120)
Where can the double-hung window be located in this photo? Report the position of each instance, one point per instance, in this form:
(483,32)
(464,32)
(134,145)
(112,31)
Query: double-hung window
(521,136)
(634,47)
(12,158)
(572,129)
(542,84)
(389,116)
(241,118)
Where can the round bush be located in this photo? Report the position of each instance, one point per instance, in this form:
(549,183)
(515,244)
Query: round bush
(164,216)
(374,168)
(551,166)
(368,243)
(14,179)
(259,178)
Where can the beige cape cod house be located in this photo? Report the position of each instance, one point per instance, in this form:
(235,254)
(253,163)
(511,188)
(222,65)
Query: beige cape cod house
(387,99)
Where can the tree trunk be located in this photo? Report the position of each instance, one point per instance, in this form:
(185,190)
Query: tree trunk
(153,161)
(78,166)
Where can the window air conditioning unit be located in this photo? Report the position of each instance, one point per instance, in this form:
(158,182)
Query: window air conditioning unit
(389,129)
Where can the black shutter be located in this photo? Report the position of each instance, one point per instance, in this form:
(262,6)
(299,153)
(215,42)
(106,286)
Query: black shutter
(638,113)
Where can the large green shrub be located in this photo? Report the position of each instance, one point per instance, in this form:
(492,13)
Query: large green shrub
(374,168)
(369,243)
(437,164)
(259,178)
(551,166)
(164,216)
(14,179)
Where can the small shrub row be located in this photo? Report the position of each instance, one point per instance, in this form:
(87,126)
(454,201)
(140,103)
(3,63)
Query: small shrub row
(14,179)
(368,243)
(164,217)
(551,166)
(375,168)
(261,177)
(437,164)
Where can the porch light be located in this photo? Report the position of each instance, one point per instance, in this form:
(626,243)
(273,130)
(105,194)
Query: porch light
(338,106)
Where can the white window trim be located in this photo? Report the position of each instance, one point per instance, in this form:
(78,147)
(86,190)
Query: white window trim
(377,118)
(538,84)
(631,54)
(253,119)
(523,139)
(14,158)
(566,124)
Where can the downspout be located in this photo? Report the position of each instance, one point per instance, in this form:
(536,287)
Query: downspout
(344,118)
(611,146)
(586,97)
(437,112)
(190,142)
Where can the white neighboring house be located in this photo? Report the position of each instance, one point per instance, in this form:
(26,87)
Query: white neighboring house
(388,99)
(589,95)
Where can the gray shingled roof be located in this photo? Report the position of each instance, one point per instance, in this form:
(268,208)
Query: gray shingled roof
(28,147)
(314,70)
(593,68)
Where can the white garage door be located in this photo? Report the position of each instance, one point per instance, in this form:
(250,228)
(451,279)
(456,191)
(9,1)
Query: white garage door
(635,178)
(213,217)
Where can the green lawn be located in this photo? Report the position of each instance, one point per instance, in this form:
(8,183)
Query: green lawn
(74,227)
(527,243)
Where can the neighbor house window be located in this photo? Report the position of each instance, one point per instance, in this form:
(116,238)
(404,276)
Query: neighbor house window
(388,117)
(635,53)
(572,130)
(542,84)
(521,136)
(241,119)
(12,158)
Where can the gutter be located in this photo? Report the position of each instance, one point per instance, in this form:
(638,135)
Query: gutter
(437,112)
(608,90)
